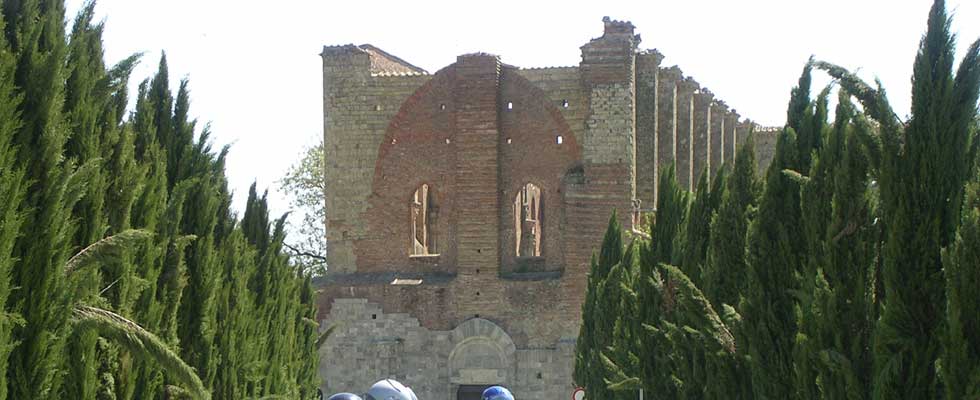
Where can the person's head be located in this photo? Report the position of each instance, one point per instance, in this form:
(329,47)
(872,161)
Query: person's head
(389,389)
(497,393)
(345,396)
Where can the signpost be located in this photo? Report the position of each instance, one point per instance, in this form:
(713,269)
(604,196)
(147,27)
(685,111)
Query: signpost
(578,394)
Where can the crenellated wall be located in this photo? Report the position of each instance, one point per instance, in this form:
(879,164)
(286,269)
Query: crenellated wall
(467,307)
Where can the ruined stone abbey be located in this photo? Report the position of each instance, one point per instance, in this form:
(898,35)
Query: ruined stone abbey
(463,206)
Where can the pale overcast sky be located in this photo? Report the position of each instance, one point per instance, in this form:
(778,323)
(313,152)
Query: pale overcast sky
(255,73)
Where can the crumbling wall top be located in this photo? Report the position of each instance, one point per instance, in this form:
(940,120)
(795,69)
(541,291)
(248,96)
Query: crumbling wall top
(618,28)
(381,62)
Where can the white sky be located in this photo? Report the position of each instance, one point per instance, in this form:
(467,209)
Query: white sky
(255,73)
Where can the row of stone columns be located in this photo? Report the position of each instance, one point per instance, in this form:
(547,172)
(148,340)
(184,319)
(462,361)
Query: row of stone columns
(695,131)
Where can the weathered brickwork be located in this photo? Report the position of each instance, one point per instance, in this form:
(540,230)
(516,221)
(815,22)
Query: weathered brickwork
(464,206)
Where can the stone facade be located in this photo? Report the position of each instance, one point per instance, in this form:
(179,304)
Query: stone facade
(463,206)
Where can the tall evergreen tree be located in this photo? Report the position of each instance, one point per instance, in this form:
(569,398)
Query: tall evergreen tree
(833,346)
(774,255)
(724,274)
(923,165)
(589,370)
(960,365)
(653,346)
(35,32)
(692,242)
(12,194)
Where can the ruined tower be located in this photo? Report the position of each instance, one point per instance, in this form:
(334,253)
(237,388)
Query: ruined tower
(463,206)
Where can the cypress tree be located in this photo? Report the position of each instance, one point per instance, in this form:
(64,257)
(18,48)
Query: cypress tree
(12,194)
(589,370)
(618,359)
(35,32)
(834,358)
(90,140)
(923,165)
(775,254)
(724,273)
(960,364)
(653,347)
(692,241)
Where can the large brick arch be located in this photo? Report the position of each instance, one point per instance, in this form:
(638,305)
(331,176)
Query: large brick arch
(530,153)
(419,147)
(414,152)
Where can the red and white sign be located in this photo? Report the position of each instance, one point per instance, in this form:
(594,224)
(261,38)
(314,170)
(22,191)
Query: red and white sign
(578,394)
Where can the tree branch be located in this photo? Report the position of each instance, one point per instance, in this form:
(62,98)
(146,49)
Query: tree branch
(299,252)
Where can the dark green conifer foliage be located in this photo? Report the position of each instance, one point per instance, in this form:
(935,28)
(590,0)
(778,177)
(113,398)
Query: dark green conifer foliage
(833,346)
(692,241)
(724,273)
(12,194)
(923,165)
(617,299)
(656,372)
(35,32)
(87,98)
(672,203)
(74,171)
(589,370)
(960,364)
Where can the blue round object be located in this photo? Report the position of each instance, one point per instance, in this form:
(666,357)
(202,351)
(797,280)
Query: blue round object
(345,396)
(497,393)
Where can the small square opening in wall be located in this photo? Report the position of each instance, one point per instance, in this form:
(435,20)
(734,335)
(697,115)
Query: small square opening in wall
(559,139)
(510,105)
(442,107)
(393,141)
(448,141)
(377,107)
(374,316)
(509,140)
(564,104)
(539,375)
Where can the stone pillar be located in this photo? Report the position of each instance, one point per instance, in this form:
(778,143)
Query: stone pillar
(477,193)
(345,68)
(718,110)
(685,132)
(702,135)
(647,67)
(731,144)
(608,145)
(667,116)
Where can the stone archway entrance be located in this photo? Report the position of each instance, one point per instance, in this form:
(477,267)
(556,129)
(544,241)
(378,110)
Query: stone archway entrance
(482,356)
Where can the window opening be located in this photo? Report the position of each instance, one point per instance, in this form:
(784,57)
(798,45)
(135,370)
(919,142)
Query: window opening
(510,105)
(424,215)
(528,221)
(564,104)
(559,139)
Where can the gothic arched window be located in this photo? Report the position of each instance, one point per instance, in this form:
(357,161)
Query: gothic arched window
(528,218)
(424,215)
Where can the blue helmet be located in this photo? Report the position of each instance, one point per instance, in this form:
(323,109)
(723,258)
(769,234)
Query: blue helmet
(345,396)
(497,393)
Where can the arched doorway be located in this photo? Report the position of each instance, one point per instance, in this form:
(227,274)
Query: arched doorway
(482,356)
